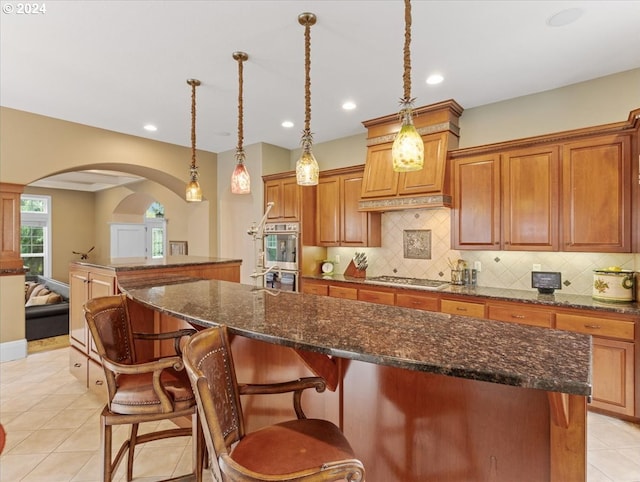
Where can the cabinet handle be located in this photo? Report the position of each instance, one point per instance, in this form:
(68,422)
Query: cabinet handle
(460,309)
(99,382)
(520,317)
(77,365)
(593,327)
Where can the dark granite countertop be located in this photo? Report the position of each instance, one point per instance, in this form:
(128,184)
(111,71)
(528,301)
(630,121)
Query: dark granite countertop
(128,264)
(464,347)
(558,299)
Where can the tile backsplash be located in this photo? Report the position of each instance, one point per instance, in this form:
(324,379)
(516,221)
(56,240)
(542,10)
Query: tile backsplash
(500,269)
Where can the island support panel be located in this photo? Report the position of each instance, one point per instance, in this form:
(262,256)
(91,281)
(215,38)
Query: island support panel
(413,426)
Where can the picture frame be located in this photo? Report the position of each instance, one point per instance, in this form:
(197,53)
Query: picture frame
(178,248)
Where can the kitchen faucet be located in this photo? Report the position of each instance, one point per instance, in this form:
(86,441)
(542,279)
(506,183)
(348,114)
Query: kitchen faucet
(255,275)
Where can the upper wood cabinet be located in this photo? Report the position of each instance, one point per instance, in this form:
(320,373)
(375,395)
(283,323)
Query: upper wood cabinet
(382,188)
(284,193)
(476,203)
(507,201)
(530,190)
(338,220)
(569,191)
(596,194)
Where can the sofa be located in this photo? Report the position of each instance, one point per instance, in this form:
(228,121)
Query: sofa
(46,308)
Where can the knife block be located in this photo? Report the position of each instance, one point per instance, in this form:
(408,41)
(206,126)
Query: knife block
(355,272)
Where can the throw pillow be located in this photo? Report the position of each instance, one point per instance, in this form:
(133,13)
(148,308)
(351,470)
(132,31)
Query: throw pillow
(47,299)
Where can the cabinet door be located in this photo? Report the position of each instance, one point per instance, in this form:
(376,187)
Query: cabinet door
(476,203)
(613,375)
(379,178)
(99,285)
(328,211)
(290,200)
(377,296)
(357,228)
(273,194)
(530,186)
(78,296)
(430,178)
(285,195)
(596,195)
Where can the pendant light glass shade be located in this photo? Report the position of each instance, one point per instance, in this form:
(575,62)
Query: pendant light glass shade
(193,192)
(240,180)
(407,152)
(307,169)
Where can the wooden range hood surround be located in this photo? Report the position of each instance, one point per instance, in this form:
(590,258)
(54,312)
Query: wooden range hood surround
(386,190)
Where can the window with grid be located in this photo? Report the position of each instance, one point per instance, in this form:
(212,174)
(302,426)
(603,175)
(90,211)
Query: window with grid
(35,233)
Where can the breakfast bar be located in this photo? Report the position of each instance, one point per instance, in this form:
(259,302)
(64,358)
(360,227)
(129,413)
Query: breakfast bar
(422,396)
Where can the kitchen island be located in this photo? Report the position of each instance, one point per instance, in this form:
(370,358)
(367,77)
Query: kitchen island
(422,396)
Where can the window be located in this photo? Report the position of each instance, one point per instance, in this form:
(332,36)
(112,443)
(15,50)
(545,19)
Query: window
(35,233)
(155,225)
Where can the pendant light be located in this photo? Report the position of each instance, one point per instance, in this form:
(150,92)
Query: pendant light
(407,151)
(307,170)
(194,193)
(240,180)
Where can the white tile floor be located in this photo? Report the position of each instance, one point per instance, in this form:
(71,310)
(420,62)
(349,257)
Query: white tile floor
(54,436)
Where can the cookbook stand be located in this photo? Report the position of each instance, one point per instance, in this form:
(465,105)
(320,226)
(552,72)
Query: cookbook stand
(355,272)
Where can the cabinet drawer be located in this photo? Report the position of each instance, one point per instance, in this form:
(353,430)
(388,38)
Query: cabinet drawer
(343,292)
(417,302)
(381,297)
(521,315)
(315,289)
(464,308)
(624,330)
(78,362)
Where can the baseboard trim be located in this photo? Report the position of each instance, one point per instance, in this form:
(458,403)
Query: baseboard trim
(13,350)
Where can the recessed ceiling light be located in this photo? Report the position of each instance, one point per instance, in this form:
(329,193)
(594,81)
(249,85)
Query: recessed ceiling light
(434,79)
(287,124)
(565,17)
(349,105)
(150,128)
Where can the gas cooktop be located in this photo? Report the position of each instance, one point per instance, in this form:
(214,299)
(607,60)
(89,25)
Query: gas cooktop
(417,283)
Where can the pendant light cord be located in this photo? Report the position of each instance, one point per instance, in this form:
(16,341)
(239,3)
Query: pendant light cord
(406,76)
(193,124)
(240,107)
(307,82)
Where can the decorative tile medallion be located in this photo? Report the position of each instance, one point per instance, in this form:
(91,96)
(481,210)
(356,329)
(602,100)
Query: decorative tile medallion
(417,243)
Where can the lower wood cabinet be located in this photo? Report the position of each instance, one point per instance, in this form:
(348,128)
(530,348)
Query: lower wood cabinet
(519,313)
(614,359)
(386,297)
(343,292)
(464,308)
(418,301)
(613,373)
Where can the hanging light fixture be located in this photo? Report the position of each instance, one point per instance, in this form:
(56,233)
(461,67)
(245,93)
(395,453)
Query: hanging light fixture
(194,193)
(240,180)
(307,170)
(407,151)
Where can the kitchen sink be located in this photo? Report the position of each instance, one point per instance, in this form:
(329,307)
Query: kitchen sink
(417,283)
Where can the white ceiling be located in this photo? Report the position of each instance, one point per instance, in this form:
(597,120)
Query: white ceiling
(118,65)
